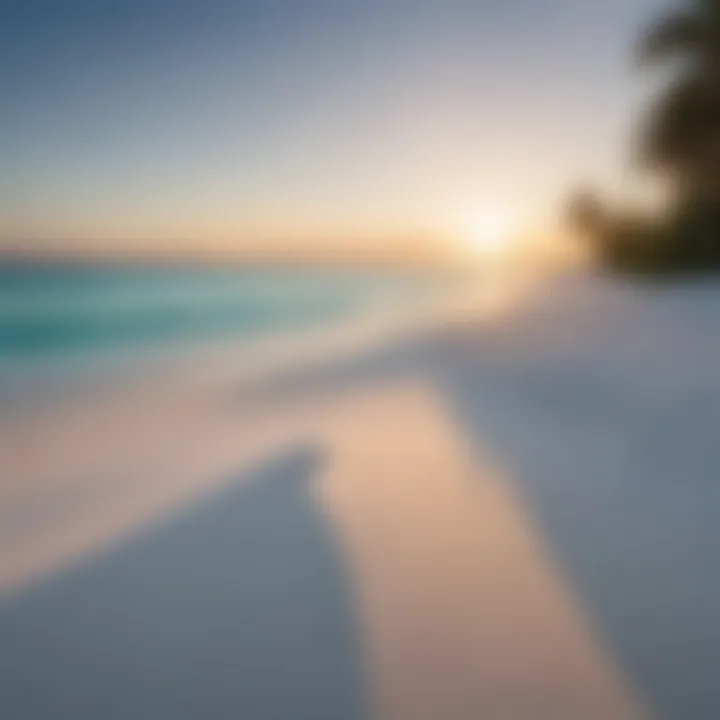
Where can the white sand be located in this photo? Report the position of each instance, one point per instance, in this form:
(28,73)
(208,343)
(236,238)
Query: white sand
(469,604)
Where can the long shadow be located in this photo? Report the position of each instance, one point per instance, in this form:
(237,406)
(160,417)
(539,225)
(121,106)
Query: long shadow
(240,608)
(626,496)
(618,471)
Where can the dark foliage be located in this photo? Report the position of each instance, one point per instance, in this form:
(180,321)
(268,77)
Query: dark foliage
(681,139)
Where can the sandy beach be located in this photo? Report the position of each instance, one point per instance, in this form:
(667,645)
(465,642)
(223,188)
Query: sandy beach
(503,511)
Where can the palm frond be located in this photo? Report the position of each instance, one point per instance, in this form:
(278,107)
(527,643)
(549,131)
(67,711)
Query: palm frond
(676,35)
(682,123)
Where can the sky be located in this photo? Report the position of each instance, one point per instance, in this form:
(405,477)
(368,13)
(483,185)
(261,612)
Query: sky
(172,125)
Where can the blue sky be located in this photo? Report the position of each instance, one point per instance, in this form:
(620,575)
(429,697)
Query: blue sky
(191,123)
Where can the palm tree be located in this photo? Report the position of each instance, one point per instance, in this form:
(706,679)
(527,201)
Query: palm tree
(585,213)
(683,131)
(682,136)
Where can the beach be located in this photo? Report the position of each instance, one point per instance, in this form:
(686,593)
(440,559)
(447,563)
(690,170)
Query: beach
(504,507)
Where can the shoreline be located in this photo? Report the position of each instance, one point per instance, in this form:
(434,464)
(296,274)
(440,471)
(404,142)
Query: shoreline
(508,460)
(37,383)
(91,429)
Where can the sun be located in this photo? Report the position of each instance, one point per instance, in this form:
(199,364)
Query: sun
(488,231)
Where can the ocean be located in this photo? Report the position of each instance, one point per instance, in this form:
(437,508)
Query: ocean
(66,313)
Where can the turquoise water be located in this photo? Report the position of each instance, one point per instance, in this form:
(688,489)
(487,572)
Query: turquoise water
(61,311)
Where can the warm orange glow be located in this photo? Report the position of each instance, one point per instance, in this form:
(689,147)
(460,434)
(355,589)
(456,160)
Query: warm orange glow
(489,231)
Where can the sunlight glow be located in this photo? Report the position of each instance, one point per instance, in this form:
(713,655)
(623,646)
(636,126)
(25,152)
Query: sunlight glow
(489,231)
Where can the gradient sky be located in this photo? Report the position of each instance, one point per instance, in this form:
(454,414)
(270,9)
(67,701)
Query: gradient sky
(262,123)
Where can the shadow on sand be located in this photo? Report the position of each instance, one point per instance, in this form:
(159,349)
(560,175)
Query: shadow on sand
(625,502)
(241,608)
(620,486)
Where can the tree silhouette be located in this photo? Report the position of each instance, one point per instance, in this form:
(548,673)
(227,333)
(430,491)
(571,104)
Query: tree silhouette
(585,213)
(682,135)
(681,138)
